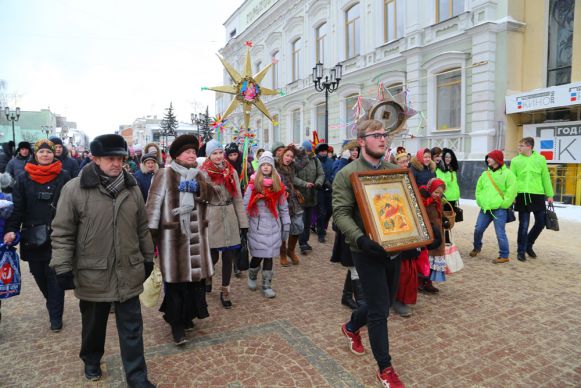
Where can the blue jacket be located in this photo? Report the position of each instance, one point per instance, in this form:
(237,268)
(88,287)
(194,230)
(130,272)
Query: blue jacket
(327,164)
(144,182)
(338,165)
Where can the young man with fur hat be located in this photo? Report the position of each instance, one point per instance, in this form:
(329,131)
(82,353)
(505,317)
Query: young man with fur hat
(177,217)
(62,154)
(324,193)
(15,167)
(378,270)
(495,193)
(102,248)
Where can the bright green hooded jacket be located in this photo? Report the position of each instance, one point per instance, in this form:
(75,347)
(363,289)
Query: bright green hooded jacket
(487,197)
(532,174)
(450,178)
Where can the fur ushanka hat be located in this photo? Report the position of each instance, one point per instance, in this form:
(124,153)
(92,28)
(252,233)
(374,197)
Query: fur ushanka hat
(109,145)
(182,143)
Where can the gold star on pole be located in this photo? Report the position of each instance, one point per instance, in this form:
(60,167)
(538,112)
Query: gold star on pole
(246,88)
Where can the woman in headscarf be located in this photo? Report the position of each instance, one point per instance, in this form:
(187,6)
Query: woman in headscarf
(177,219)
(423,167)
(35,197)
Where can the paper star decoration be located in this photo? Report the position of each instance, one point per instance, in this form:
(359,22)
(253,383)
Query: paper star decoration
(246,88)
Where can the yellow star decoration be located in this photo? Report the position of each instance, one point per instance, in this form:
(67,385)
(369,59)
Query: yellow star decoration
(246,88)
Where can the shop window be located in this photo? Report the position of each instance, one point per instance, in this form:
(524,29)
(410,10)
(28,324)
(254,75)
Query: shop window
(448,99)
(446,9)
(352,31)
(560,35)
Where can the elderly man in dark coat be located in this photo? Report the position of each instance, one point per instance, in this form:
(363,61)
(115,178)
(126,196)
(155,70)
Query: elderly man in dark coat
(102,248)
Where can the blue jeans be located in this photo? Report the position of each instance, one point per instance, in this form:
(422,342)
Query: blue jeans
(525,238)
(497,216)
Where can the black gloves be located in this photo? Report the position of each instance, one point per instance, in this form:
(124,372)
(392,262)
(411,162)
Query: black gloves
(66,280)
(371,248)
(437,238)
(148,268)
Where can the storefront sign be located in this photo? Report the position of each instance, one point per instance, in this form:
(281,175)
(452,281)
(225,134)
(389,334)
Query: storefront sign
(557,142)
(553,97)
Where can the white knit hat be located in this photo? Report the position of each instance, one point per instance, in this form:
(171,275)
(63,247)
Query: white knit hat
(266,157)
(212,146)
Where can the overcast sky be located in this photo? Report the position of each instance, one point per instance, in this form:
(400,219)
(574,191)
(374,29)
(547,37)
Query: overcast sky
(104,63)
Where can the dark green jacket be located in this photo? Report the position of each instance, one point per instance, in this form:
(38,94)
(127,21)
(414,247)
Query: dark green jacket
(309,171)
(345,210)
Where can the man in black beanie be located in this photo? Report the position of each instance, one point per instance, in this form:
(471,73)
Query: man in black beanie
(105,252)
(62,153)
(15,166)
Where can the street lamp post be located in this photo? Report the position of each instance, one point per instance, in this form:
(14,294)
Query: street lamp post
(46,129)
(329,85)
(202,120)
(12,116)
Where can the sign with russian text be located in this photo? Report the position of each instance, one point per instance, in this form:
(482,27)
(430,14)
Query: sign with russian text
(557,142)
(553,97)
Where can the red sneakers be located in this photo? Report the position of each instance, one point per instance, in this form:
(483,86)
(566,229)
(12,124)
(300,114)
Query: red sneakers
(389,379)
(355,344)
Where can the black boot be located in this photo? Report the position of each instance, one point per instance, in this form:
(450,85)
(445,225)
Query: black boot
(358,291)
(347,298)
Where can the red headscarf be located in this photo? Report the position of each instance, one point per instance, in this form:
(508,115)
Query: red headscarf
(221,175)
(429,189)
(43,174)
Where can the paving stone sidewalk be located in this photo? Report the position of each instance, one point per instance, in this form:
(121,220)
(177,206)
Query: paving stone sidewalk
(514,324)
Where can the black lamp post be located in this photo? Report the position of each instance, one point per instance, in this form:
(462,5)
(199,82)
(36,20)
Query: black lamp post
(12,116)
(202,120)
(329,85)
(46,129)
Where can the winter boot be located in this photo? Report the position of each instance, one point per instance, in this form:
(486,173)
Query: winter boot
(283,259)
(358,291)
(347,298)
(225,297)
(404,310)
(266,284)
(252,276)
(292,243)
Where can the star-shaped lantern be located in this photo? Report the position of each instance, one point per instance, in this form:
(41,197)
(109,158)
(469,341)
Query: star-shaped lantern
(246,88)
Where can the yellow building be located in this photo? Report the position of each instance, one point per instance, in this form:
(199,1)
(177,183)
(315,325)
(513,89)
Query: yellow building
(544,88)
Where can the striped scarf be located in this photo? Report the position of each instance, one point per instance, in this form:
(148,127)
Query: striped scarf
(112,184)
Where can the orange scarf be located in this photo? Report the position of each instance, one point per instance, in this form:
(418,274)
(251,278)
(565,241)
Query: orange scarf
(43,174)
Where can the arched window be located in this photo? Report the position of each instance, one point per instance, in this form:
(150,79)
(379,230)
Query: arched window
(296,55)
(449,99)
(352,31)
(296,122)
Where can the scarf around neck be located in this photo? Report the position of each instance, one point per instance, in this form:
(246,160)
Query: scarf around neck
(269,197)
(222,174)
(43,174)
(187,200)
(112,184)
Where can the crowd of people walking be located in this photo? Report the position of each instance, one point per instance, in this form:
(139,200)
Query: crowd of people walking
(96,223)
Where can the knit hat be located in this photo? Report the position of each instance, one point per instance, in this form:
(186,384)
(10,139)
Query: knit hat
(212,146)
(56,140)
(230,149)
(307,145)
(24,144)
(109,145)
(149,156)
(44,144)
(183,143)
(497,156)
(276,146)
(266,158)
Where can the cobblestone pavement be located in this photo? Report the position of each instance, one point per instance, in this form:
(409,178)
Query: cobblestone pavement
(515,324)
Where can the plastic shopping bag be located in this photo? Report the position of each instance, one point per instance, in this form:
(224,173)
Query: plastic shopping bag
(10,279)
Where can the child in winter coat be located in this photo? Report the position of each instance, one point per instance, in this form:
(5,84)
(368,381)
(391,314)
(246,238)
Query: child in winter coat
(269,221)
(432,197)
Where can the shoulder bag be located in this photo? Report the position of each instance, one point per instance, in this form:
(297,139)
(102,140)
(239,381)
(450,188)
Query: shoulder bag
(510,216)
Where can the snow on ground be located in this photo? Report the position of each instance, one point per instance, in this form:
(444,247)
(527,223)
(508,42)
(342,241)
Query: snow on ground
(564,212)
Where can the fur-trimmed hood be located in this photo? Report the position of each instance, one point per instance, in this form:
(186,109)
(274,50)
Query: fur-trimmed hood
(144,169)
(418,165)
(159,158)
(90,177)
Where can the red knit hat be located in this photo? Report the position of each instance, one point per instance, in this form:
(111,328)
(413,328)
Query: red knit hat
(497,156)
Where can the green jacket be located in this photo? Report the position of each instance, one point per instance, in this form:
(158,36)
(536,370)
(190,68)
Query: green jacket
(309,169)
(450,178)
(487,197)
(345,210)
(532,174)
(103,240)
